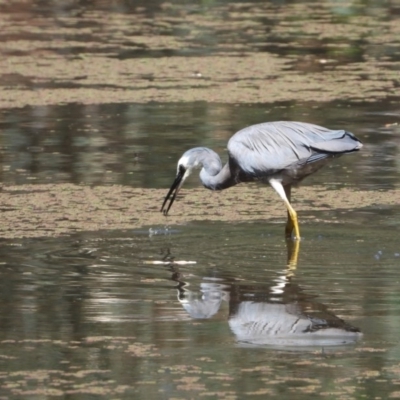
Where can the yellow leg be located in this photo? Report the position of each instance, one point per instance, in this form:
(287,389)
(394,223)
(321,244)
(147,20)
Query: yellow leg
(289,227)
(289,223)
(285,192)
(292,223)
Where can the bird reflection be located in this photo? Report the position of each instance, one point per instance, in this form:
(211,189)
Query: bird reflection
(204,303)
(278,313)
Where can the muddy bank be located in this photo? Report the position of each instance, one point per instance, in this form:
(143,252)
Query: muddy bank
(54,210)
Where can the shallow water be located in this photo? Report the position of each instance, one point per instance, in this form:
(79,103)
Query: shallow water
(138,145)
(100,93)
(89,315)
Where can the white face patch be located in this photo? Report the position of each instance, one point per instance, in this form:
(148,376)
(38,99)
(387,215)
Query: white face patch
(185,163)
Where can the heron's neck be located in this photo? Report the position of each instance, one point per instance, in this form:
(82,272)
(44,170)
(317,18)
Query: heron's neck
(217,180)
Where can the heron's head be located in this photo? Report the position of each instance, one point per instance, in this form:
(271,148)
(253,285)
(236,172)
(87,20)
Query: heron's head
(186,164)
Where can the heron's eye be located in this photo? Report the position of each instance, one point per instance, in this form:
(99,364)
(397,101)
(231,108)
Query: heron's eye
(182,169)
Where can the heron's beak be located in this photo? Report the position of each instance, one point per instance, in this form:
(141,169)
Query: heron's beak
(173,191)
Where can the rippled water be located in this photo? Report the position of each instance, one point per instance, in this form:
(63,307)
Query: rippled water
(92,315)
(119,314)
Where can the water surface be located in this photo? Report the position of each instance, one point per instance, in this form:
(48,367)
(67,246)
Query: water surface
(87,315)
(139,145)
(99,94)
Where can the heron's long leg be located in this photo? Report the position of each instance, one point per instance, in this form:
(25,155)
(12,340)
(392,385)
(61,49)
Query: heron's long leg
(289,223)
(292,215)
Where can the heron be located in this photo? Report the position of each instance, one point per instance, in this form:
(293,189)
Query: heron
(280,153)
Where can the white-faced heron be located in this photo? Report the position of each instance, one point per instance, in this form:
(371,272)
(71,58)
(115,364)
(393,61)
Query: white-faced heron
(280,153)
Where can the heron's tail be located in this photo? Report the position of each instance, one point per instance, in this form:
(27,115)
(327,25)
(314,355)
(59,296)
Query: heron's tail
(342,142)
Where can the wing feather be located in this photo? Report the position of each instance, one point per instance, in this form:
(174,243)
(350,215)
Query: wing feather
(273,146)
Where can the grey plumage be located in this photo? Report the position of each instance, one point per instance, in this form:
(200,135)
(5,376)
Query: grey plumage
(273,146)
(280,153)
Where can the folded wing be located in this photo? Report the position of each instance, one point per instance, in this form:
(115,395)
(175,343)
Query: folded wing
(273,146)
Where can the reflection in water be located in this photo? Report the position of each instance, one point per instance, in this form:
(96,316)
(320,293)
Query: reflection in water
(88,312)
(278,314)
(207,301)
(269,320)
